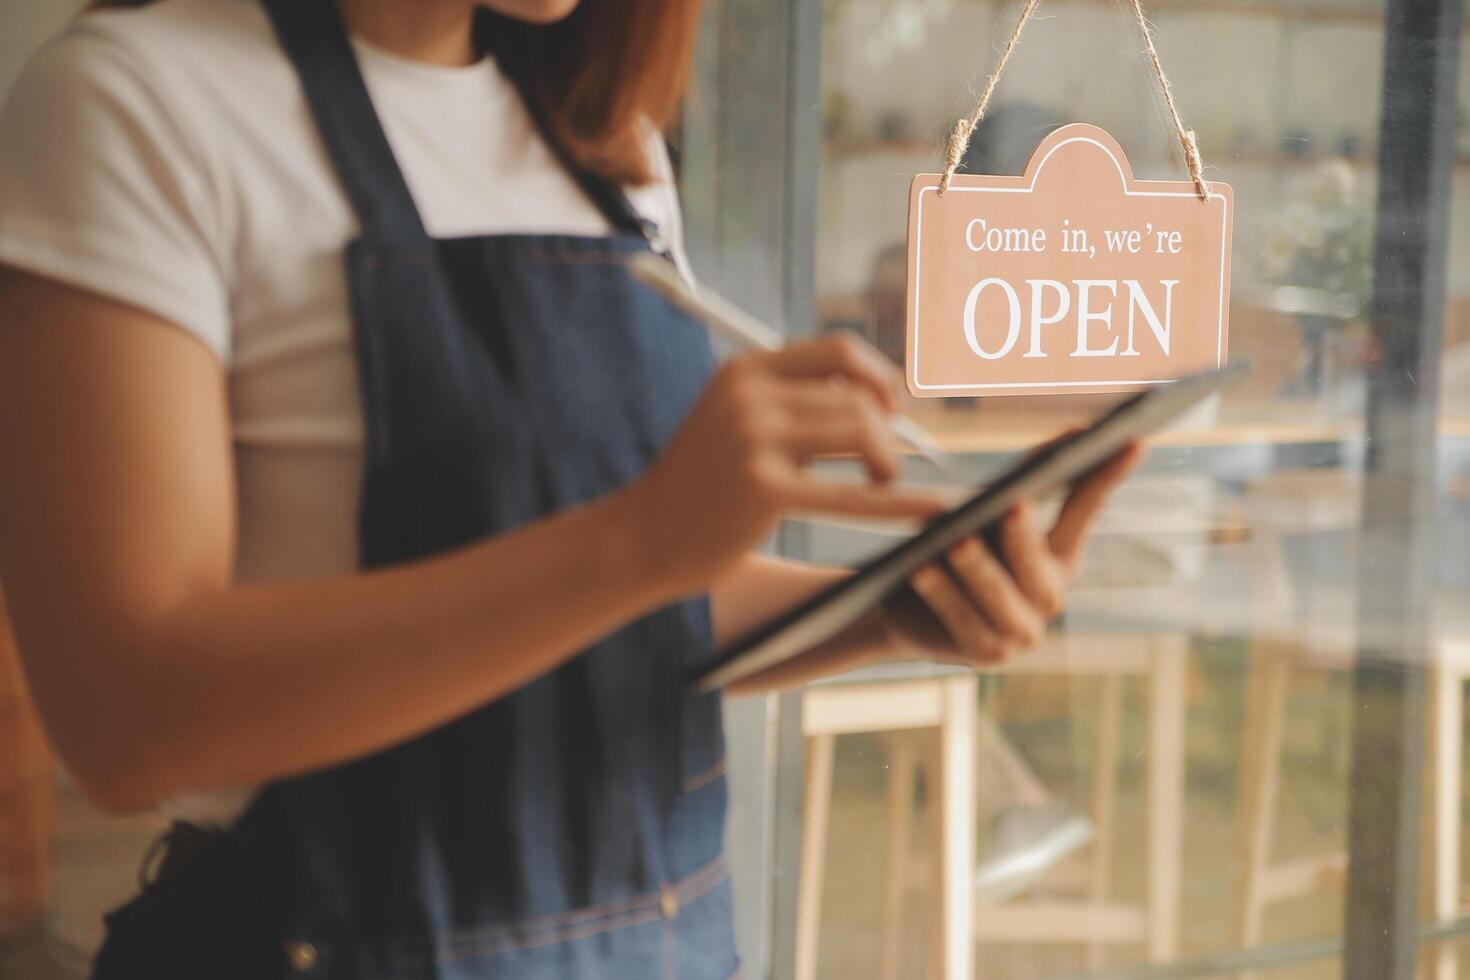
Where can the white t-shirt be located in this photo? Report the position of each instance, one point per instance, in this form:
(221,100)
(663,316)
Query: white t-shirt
(164,156)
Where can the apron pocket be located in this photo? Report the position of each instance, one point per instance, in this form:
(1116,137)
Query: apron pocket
(701,741)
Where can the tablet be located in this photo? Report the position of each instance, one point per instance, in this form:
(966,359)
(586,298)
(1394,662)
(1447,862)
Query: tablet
(1054,467)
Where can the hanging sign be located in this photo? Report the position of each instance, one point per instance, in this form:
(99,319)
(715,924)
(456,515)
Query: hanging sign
(1075,277)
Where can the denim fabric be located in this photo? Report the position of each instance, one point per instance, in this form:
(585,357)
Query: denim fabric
(572,829)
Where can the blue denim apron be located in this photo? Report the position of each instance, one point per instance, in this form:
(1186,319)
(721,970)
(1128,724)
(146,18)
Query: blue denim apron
(572,829)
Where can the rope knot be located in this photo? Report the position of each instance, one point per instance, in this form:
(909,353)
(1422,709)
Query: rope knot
(1192,161)
(959,141)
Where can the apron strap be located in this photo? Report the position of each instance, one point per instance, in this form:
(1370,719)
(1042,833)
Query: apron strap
(606,195)
(315,39)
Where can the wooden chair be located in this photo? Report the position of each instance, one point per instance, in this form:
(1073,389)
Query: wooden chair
(1307,502)
(948,707)
(1265,880)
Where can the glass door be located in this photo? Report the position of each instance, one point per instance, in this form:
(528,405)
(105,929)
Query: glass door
(1240,752)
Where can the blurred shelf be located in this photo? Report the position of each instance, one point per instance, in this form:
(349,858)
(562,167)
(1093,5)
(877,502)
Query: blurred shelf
(1293,11)
(961,432)
(1317,13)
(856,148)
(1286,10)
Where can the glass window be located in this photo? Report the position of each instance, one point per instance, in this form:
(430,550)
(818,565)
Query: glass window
(1242,746)
(1241,750)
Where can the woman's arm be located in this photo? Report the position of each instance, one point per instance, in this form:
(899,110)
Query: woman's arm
(157,674)
(27,797)
(154,673)
(761,586)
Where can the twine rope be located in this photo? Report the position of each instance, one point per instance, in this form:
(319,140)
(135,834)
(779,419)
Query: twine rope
(959,139)
(1186,136)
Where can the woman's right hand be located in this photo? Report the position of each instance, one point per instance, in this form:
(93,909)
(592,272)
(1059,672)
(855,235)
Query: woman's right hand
(739,462)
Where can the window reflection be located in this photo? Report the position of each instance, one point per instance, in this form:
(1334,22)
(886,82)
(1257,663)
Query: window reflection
(1194,707)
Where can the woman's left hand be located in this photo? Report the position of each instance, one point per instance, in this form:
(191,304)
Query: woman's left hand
(977,608)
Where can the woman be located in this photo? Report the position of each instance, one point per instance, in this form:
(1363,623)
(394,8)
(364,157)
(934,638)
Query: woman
(363,514)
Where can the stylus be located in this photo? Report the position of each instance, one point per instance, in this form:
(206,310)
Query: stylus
(740,328)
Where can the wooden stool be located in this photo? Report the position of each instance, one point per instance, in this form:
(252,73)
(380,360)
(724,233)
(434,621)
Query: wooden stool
(1305,502)
(1265,881)
(949,705)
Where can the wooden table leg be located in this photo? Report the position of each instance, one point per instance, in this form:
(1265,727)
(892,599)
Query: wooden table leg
(896,866)
(816,810)
(953,836)
(1165,796)
(1447,708)
(1104,799)
(1260,777)
(961,708)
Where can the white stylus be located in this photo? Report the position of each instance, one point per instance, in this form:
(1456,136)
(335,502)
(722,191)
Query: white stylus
(744,330)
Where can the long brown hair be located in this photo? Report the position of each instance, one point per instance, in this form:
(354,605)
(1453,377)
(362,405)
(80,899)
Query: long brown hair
(599,77)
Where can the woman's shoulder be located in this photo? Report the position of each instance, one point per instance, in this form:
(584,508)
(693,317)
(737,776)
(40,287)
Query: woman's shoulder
(168,48)
(168,31)
(115,147)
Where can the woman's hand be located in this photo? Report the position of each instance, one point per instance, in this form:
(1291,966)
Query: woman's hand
(977,608)
(740,461)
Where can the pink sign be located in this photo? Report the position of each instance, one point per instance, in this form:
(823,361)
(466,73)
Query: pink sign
(1072,278)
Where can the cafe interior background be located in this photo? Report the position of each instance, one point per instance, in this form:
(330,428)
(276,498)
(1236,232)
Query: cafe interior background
(1185,761)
